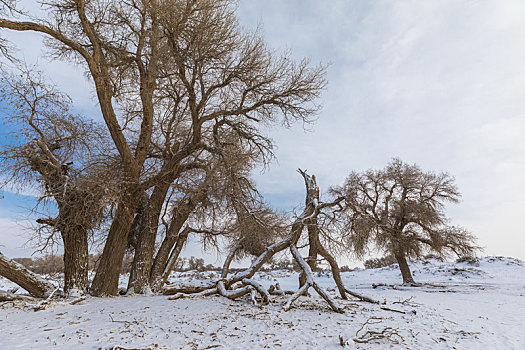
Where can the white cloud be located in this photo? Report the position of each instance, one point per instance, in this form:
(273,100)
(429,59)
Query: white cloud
(438,83)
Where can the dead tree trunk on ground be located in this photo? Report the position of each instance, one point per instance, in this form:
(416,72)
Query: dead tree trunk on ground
(33,283)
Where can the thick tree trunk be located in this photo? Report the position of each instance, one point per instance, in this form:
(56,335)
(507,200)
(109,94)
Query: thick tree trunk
(403,266)
(145,245)
(75,260)
(106,279)
(34,284)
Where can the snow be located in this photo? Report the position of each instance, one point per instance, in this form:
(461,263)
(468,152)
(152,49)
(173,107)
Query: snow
(458,306)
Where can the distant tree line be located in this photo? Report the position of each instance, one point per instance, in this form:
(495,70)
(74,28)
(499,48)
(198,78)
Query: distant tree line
(54,264)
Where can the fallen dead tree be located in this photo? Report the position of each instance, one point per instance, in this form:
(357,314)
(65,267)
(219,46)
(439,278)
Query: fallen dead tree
(235,285)
(31,282)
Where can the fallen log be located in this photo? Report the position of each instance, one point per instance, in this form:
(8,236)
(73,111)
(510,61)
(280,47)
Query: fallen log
(30,281)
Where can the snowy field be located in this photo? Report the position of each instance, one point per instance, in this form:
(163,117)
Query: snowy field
(459,306)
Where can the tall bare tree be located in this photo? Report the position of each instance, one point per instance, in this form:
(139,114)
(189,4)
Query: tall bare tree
(188,60)
(401,210)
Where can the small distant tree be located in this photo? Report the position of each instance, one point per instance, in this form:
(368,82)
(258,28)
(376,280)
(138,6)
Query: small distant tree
(196,264)
(376,263)
(401,210)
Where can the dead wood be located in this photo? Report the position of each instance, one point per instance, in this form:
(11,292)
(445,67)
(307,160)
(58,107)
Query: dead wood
(226,285)
(187,289)
(13,297)
(33,283)
(365,335)
(259,288)
(309,282)
(393,310)
(43,304)
(76,301)
(204,293)
(275,289)
(361,297)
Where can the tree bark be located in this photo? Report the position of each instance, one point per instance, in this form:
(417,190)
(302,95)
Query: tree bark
(313,241)
(75,260)
(145,246)
(34,284)
(313,234)
(336,272)
(403,266)
(107,276)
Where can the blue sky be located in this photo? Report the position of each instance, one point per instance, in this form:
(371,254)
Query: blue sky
(437,83)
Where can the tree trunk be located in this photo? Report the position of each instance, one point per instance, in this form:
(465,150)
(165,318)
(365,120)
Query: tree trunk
(33,283)
(313,240)
(75,260)
(180,215)
(106,279)
(403,266)
(336,272)
(313,233)
(181,240)
(145,246)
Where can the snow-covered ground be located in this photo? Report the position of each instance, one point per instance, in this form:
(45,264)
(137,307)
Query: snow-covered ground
(459,306)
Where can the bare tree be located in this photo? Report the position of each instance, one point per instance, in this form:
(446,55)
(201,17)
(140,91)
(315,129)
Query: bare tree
(61,153)
(220,83)
(187,59)
(401,210)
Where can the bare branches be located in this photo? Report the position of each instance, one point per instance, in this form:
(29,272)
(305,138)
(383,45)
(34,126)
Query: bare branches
(180,85)
(312,208)
(400,209)
(365,334)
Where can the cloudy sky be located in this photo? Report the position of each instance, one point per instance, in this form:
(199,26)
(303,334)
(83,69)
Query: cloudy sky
(437,83)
